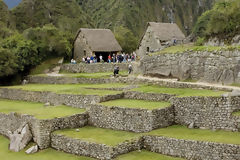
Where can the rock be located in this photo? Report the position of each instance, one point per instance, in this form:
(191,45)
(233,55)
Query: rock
(20,138)
(77,130)
(191,125)
(235,93)
(32,150)
(47,104)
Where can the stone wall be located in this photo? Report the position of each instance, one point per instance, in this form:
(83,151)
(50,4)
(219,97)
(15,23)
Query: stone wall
(79,101)
(41,129)
(130,80)
(190,149)
(91,149)
(147,96)
(93,68)
(207,112)
(213,67)
(130,119)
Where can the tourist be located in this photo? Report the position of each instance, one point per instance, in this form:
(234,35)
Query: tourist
(116,71)
(83,60)
(130,69)
(109,58)
(88,60)
(101,59)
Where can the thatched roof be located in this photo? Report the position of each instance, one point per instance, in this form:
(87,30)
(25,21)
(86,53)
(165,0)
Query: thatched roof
(166,31)
(100,40)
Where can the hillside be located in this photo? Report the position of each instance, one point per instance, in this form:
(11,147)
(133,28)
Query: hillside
(66,15)
(134,14)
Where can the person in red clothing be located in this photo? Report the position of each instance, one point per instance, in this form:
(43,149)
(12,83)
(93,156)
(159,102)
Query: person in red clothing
(109,58)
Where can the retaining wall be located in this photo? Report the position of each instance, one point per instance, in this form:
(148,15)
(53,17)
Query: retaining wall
(147,96)
(90,149)
(93,68)
(130,119)
(79,101)
(41,129)
(207,112)
(192,150)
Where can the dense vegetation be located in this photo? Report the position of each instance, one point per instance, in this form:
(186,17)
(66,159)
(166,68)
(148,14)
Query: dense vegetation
(221,21)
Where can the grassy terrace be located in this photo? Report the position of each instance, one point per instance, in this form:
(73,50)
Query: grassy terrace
(94,75)
(99,135)
(180,92)
(47,154)
(130,103)
(187,48)
(236,113)
(72,88)
(38,110)
(181,132)
(145,155)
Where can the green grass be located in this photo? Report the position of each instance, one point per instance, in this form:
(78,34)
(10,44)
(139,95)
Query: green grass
(145,155)
(38,110)
(47,154)
(235,84)
(236,113)
(186,48)
(48,64)
(180,92)
(181,132)
(130,103)
(94,75)
(72,88)
(99,135)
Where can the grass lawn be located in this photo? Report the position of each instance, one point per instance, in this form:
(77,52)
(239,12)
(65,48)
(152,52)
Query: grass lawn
(50,63)
(236,113)
(47,154)
(99,135)
(38,110)
(145,155)
(180,92)
(181,132)
(130,103)
(72,88)
(94,75)
(186,48)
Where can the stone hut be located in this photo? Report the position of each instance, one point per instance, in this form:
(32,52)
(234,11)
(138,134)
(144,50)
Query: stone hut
(91,42)
(159,36)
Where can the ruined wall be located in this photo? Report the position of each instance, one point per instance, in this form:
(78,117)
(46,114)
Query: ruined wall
(130,119)
(41,129)
(93,68)
(79,101)
(190,149)
(207,112)
(147,96)
(213,67)
(90,149)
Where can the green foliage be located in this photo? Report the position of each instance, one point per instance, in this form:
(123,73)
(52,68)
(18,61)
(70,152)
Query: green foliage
(8,62)
(200,41)
(51,41)
(25,50)
(222,21)
(126,39)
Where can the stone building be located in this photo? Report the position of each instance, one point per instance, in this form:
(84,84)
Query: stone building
(91,42)
(159,36)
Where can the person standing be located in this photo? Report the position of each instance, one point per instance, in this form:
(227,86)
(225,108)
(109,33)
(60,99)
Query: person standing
(130,69)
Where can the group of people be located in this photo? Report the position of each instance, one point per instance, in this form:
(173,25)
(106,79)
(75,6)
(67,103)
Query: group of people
(88,60)
(119,58)
(116,70)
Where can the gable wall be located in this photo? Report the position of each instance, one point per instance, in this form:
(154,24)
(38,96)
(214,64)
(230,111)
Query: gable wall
(80,45)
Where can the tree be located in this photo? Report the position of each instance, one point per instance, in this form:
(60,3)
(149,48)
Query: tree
(8,62)
(126,39)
